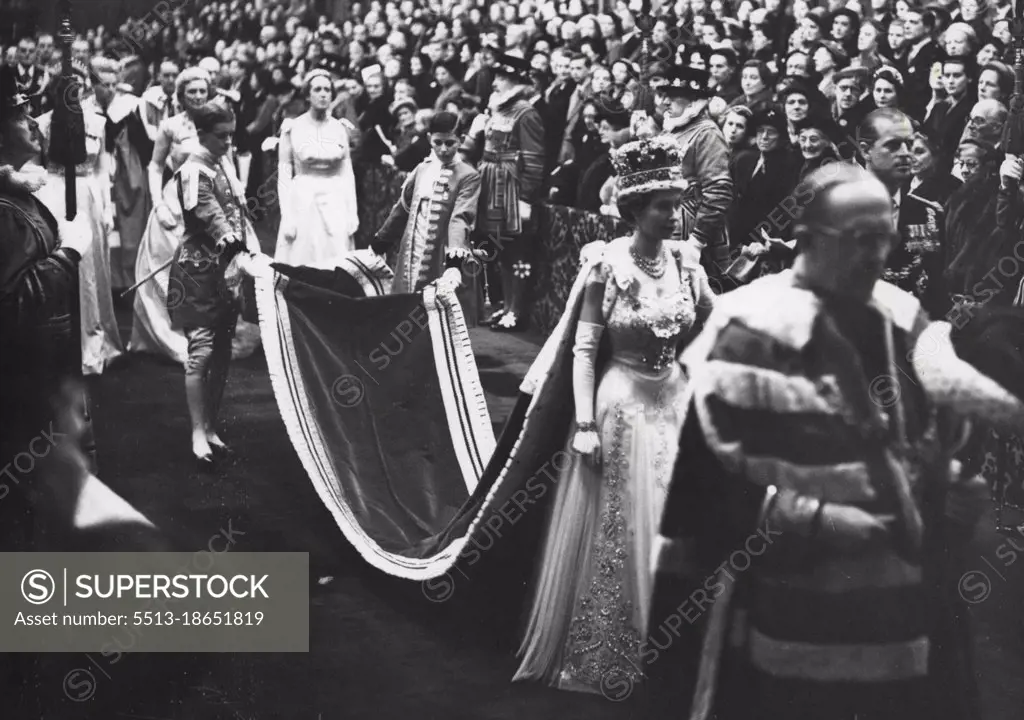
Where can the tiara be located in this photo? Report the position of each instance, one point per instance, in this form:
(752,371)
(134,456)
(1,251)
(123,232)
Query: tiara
(647,165)
(889,70)
(315,73)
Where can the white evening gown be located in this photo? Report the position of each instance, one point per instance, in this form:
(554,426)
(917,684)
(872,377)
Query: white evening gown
(591,603)
(317,188)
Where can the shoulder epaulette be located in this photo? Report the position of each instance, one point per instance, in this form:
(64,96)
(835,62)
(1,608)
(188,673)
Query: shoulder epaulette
(188,176)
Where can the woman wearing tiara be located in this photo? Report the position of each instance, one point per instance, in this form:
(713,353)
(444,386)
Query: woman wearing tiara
(641,298)
(315,183)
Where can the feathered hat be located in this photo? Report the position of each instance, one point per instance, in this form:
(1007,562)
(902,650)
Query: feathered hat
(685,81)
(648,165)
(515,68)
(334,64)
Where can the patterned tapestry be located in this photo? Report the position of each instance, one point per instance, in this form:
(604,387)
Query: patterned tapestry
(562,232)
(378,188)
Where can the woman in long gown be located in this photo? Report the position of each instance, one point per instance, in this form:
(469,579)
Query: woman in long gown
(645,296)
(176,140)
(101,340)
(316,183)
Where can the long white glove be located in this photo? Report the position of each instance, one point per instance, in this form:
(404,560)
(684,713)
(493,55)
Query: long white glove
(588,337)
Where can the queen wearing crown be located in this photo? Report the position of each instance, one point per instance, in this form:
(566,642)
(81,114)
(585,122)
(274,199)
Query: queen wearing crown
(635,302)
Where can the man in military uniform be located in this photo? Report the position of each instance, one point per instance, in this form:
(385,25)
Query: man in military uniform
(916,265)
(508,143)
(198,298)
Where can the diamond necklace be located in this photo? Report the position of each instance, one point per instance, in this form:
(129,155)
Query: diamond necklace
(655,267)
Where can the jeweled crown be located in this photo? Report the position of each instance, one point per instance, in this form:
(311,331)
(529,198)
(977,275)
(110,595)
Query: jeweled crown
(647,165)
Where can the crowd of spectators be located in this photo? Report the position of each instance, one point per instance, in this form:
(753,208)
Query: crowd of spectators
(791,82)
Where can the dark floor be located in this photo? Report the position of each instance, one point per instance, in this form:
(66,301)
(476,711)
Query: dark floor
(379,649)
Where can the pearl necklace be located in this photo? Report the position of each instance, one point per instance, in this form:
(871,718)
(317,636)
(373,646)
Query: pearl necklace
(655,267)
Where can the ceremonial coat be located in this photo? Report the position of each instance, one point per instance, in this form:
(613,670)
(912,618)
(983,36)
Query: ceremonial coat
(510,151)
(797,398)
(39,334)
(917,264)
(709,191)
(436,213)
(212,210)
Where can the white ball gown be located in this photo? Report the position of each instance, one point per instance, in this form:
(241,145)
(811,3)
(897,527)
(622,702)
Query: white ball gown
(590,606)
(317,188)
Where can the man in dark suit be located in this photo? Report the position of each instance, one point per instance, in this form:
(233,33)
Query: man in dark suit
(916,59)
(916,264)
(32,80)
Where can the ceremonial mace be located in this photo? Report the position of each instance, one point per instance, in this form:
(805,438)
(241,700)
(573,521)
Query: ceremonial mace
(1013,144)
(645,21)
(1013,131)
(67,128)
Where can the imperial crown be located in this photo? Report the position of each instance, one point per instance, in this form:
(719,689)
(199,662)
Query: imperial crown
(648,165)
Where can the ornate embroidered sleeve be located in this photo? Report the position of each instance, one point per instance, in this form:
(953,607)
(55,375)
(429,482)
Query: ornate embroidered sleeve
(464,213)
(208,211)
(394,224)
(44,283)
(531,143)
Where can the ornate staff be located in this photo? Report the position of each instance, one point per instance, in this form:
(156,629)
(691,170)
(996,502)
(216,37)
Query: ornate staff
(1013,131)
(67,129)
(645,22)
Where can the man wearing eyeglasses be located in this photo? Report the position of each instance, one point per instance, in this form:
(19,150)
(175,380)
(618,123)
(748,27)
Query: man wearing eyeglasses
(916,264)
(813,489)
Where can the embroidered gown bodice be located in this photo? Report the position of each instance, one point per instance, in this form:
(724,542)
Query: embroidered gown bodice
(646,317)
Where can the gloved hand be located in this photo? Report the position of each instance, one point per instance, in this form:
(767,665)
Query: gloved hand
(848,528)
(165,217)
(451,279)
(588,445)
(256,265)
(1011,170)
(753,249)
(74,238)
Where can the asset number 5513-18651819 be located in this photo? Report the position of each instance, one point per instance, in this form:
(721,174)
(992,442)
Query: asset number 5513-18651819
(198,618)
